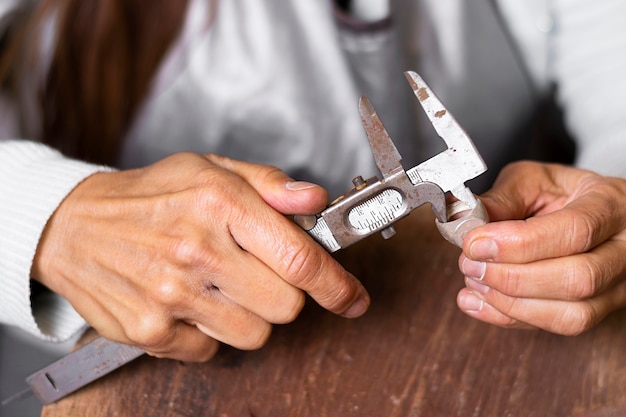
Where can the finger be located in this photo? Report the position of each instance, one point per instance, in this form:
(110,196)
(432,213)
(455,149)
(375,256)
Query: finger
(576,277)
(218,263)
(154,330)
(206,311)
(562,317)
(266,295)
(214,297)
(477,308)
(574,229)
(220,318)
(292,255)
(160,335)
(590,219)
(276,188)
(187,295)
(249,283)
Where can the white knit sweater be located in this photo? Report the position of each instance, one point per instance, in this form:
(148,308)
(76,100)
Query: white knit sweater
(35,179)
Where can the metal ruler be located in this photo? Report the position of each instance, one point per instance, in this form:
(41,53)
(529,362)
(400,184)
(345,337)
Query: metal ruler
(77,369)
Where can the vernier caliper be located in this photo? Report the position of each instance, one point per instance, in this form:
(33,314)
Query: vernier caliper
(374,204)
(371,206)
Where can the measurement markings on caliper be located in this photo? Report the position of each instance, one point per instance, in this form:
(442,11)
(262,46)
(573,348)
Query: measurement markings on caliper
(378,211)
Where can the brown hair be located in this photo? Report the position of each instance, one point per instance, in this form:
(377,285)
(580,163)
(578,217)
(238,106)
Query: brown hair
(105,56)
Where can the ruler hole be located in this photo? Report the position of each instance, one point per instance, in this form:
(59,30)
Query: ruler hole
(51,381)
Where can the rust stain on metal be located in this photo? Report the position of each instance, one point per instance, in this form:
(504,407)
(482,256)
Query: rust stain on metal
(440,114)
(422,94)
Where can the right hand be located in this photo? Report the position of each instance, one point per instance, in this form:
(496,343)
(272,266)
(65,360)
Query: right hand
(190,251)
(554,255)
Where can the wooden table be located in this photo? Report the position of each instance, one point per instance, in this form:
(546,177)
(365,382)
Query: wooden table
(413,354)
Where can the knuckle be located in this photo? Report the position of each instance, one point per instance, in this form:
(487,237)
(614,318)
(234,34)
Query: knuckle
(521,241)
(301,264)
(152,333)
(600,218)
(169,292)
(217,195)
(584,228)
(581,280)
(206,352)
(577,319)
(340,299)
(268,173)
(182,157)
(214,187)
(511,284)
(511,307)
(508,322)
(307,269)
(291,309)
(190,253)
(256,338)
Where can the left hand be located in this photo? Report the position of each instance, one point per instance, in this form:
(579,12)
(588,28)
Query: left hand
(191,250)
(554,256)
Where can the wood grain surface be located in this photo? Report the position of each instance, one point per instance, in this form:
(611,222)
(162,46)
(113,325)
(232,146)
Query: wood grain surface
(412,354)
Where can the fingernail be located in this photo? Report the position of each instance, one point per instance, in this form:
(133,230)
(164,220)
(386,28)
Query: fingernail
(358,308)
(299,185)
(476,286)
(484,249)
(473,269)
(469,302)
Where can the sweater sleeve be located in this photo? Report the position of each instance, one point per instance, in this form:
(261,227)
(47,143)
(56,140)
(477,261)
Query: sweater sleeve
(588,65)
(34,180)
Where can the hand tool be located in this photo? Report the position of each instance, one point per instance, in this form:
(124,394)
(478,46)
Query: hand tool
(372,205)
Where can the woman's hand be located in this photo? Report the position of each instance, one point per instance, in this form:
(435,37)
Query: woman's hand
(190,251)
(554,256)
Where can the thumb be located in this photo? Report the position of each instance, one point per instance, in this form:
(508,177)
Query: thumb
(542,211)
(276,188)
(512,199)
(524,189)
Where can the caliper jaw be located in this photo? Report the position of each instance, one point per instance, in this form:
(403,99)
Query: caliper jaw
(460,162)
(451,168)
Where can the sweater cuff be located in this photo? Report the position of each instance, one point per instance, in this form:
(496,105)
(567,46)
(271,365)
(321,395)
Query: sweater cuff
(34,180)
